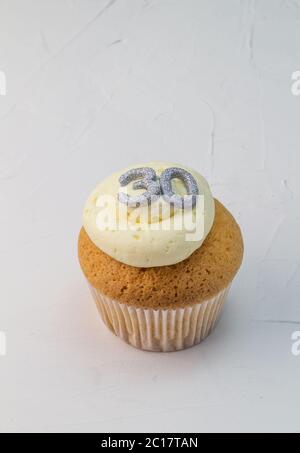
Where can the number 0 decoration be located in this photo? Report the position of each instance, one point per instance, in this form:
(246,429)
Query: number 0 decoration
(146,178)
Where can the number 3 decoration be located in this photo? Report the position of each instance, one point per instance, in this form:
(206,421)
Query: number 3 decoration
(146,178)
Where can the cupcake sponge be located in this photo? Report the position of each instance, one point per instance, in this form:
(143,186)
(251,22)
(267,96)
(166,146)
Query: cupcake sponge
(204,274)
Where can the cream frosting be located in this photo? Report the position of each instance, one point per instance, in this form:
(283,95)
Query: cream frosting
(143,236)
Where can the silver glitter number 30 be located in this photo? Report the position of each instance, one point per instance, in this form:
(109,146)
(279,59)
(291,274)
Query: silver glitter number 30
(146,178)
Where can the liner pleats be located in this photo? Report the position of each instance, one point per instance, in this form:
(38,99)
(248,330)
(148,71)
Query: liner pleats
(160,330)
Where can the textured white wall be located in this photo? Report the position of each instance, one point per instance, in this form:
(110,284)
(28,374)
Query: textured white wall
(95,85)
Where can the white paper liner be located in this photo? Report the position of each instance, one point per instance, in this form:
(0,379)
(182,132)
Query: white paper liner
(162,330)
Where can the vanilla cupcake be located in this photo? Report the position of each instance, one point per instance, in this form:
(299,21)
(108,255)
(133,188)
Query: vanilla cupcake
(159,254)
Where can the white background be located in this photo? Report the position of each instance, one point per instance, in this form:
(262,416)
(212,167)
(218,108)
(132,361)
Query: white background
(96,85)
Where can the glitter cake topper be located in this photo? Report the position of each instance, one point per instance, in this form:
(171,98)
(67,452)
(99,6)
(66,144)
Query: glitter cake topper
(146,178)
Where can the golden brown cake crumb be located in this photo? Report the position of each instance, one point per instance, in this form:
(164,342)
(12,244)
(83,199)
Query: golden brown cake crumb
(206,272)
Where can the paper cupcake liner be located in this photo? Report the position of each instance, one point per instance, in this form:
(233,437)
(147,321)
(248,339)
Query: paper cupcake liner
(162,330)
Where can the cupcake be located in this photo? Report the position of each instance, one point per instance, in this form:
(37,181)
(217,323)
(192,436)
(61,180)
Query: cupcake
(159,254)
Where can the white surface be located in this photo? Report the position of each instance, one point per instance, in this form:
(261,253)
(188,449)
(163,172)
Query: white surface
(93,86)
